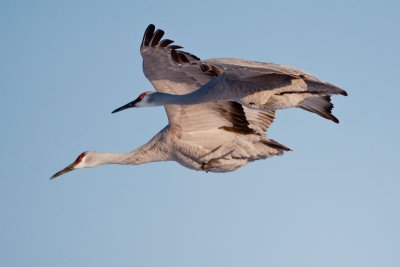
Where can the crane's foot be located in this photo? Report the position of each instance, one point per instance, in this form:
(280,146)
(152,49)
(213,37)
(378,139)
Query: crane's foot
(206,166)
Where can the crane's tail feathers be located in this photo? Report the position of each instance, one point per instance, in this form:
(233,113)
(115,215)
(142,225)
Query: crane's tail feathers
(320,105)
(276,145)
(324,87)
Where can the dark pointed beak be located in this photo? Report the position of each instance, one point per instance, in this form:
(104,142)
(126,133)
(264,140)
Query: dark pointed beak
(129,105)
(65,170)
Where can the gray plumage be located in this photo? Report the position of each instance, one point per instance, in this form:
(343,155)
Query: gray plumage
(230,134)
(256,85)
(218,109)
(215,136)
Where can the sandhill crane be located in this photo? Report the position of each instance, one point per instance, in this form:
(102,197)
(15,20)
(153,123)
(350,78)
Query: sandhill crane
(256,85)
(216,136)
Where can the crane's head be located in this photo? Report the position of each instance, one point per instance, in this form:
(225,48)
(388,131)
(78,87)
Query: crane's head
(82,161)
(143,100)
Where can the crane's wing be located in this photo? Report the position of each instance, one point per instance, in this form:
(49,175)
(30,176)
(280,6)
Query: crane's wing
(246,77)
(216,124)
(177,72)
(226,115)
(168,68)
(173,71)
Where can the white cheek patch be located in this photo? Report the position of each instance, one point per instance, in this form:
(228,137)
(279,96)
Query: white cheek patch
(80,165)
(145,103)
(140,104)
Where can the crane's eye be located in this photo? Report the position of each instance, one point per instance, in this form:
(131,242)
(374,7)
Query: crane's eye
(80,157)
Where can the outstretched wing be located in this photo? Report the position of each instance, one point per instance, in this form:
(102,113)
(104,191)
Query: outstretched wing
(171,70)
(258,76)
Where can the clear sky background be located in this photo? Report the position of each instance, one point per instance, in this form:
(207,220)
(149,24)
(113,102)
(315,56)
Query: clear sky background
(333,201)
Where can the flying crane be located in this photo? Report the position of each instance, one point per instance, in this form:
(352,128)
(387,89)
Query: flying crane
(218,109)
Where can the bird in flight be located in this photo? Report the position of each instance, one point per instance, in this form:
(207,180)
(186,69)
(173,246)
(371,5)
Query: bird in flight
(181,78)
(218,109)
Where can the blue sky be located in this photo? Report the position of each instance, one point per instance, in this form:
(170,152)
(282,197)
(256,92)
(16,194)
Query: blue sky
(333,201)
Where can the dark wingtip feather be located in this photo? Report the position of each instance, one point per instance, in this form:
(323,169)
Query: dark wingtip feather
(183,58)
(165,43)
(195,57)
(175,57)
(338,89)
(333,118)
(148,35)
(174,47)
(274,144)
(153,38)
(320,105)
(156,37)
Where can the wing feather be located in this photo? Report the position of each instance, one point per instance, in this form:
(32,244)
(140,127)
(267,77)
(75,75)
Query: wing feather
(158,34)
(171,70)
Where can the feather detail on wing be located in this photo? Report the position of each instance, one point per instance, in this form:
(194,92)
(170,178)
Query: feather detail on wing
(230,133)
(173,71)
(229,116)
(168,68)
(259,121)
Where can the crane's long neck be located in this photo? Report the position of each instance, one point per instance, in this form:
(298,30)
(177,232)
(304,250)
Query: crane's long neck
(160,99)
(203,95)
(150,152)
(135,157)
(101,158)
(215,90)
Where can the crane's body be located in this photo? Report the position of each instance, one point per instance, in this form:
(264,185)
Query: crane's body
(218,109)
(226,151)
(311,96)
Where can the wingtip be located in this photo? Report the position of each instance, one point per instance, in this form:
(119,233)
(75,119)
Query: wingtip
(333,118)
(275,144)
(336,120)
(151,26)
(148,34)
(157,35)
(339,90)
